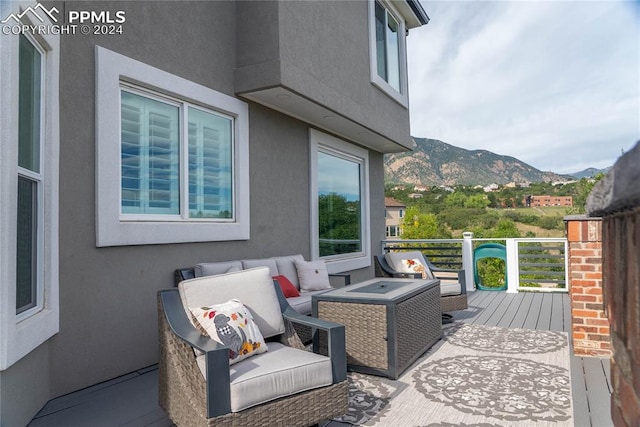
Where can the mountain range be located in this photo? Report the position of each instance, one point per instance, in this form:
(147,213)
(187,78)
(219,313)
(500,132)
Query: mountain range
(433,162)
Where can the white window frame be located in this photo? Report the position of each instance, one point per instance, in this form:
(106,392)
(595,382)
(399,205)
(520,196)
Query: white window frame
(21,334)
(322,142)
(400,97)
(114,229)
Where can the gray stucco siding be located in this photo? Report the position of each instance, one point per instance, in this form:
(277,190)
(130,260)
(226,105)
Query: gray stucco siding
(108,312)
(320,51)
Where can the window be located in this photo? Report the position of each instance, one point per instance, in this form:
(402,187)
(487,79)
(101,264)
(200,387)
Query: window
(388,51)
(29,215)
(150,159)
(29,145)
(393,231)
(401,215)
(182,156)
(339,203)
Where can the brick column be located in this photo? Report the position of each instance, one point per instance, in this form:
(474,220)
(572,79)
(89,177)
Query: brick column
(589,324)
(617,200)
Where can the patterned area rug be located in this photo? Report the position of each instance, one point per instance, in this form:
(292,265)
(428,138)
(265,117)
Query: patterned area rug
(475,376)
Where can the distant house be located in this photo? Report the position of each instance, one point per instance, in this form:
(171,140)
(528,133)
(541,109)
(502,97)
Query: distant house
(415,195)
(181,138)
(421,188)
(491,187)
(393,216)
(546,200)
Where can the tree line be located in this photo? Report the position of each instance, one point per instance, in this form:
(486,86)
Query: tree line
(444,213)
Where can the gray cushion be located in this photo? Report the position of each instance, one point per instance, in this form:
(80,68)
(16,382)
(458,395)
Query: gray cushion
(395,261)
(212,268)
(302,304)
(287,267)
(450,287)
(281,371)
(261,262)
(254,288)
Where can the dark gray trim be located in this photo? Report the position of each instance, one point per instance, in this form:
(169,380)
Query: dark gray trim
(418,10)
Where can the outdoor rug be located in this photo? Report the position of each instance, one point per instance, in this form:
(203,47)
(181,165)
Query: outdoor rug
(475,376)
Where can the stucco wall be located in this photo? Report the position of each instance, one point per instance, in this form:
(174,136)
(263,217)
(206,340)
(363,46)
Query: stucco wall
(320,50)
(108,295)
(24,388)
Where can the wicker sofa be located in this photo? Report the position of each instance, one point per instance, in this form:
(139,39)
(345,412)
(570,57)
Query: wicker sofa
(284,385)
(281,265)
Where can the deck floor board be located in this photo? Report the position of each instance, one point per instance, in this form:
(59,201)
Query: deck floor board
(132,400)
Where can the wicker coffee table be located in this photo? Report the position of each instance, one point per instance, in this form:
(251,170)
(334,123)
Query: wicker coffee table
(389,323)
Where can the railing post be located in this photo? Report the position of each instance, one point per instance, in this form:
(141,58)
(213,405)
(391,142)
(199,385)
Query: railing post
(467,259)
(513,275)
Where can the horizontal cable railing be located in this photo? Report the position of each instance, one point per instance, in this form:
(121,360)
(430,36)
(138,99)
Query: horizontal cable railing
(529,264)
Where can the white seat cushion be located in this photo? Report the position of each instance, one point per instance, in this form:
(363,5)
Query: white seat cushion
(450,287)
(253,287)
(282,371)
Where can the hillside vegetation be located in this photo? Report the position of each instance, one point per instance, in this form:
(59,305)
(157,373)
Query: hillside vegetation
(445,214)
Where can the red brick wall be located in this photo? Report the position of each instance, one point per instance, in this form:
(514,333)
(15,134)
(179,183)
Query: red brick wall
(589,323)
(621,237)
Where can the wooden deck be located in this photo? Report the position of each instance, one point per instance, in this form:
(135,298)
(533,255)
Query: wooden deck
(131,400)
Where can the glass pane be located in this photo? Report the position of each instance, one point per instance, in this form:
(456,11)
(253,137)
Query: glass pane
(210,165)
(150,159)
(29,94)
(393,53)
(339,198)
(381,55)
(26,258)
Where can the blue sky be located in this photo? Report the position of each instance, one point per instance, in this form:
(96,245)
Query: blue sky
(555,84)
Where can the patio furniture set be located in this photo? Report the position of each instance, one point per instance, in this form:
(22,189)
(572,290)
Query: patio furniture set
(230,346)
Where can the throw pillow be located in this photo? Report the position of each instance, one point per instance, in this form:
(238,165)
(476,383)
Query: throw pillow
(231,324)
(288,289)
(415,266)
(313,275)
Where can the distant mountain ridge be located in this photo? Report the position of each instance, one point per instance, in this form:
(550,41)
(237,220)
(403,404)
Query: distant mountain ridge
(589,172)
(433,162)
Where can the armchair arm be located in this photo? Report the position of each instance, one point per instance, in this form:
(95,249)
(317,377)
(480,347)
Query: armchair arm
(336,336)
(462,278)
(345,276)
(216,355)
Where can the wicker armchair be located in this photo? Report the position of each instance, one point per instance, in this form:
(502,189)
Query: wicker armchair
(192,398)
(452,282)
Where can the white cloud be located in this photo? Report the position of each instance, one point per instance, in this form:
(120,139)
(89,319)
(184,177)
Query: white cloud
(554,84)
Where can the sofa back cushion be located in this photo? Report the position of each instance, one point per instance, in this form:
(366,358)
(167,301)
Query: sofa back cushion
(261,262)
(409,262)
(213,268)
(254,287)
(287,267)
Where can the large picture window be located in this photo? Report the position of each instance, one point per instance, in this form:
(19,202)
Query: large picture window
(178,170)
(388,51)
(340,208)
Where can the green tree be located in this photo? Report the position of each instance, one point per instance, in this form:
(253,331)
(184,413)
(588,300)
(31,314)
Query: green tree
(476,201)
(457,200)
(419,225)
